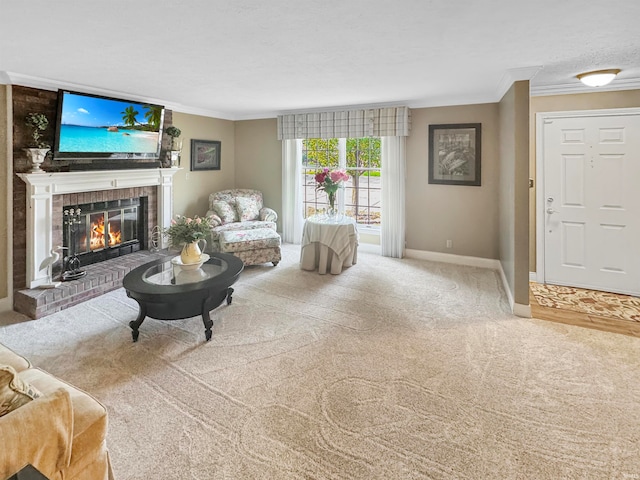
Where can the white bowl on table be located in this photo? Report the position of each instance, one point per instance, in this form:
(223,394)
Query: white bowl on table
(177,261)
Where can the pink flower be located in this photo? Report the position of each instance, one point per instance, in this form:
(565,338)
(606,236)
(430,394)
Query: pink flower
(188,221)
(198,221)
(173,222)
(338,176)
(320,177)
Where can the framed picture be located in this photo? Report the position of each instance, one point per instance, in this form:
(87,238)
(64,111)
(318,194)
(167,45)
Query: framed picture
(205,154)
(454,154)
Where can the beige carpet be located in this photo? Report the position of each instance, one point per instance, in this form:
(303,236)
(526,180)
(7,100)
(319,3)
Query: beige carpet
(591,302)
(395,369)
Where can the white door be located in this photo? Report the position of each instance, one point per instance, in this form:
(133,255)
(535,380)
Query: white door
(592,202)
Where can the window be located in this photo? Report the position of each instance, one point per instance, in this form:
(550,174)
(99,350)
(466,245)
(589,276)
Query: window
(360,157)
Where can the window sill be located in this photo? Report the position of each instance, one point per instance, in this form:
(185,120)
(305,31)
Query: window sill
(369,230)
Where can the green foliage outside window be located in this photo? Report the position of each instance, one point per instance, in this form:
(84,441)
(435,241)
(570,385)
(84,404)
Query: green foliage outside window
(319,152)
(361,153)
(363,159)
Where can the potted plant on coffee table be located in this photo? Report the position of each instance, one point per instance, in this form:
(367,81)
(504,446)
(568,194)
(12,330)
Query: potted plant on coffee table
(187,233)
(38,149)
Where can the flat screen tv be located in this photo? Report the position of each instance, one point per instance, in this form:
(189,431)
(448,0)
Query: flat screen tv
(96,127)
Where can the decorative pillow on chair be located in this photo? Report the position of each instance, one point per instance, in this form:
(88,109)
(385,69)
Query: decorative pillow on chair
(248,208)
(225,211)
(14,392)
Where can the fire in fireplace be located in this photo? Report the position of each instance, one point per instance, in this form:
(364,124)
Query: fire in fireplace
(108,235)
(103,230)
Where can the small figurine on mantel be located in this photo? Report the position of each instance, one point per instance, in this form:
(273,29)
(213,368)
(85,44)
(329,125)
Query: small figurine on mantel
(48,264)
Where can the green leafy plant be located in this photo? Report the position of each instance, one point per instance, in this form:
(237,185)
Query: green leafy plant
(37,123)
(186,229)
(173,132)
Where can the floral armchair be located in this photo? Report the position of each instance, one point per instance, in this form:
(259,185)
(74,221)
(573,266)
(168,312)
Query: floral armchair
(238,209)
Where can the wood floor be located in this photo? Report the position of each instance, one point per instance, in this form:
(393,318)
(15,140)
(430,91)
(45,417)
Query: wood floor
(607,324)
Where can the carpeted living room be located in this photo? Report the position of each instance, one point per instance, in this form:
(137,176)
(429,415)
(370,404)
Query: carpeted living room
(396,368)
(319,240)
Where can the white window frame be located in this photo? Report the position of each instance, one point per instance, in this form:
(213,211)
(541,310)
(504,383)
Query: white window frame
(342,164)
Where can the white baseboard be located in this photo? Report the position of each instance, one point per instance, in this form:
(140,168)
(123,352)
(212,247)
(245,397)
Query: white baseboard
(6,304)
(517,308)
(521,310)
(533,276)
(455,259)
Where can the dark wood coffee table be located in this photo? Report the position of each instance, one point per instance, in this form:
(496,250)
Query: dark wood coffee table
(166,291)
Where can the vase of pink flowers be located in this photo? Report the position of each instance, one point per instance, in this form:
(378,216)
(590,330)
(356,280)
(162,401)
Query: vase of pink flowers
(330,181)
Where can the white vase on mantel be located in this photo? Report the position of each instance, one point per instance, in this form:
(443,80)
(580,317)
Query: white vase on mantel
(37,156)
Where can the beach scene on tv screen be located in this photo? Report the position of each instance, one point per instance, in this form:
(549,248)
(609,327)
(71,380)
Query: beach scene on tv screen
(92,124)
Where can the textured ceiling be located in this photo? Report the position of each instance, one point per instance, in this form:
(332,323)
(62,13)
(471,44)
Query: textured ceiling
(256,58)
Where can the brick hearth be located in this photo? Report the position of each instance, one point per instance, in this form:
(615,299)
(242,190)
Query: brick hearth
(100,278)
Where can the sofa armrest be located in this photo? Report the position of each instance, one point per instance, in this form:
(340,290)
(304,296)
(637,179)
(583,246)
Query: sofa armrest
(214,218)
(40,433)
(11,358)
(268,215)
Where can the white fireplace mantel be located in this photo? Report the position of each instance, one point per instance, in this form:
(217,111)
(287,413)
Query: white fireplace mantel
(41,187)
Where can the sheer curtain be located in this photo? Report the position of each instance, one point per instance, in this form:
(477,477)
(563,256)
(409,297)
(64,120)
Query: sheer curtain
(392,234)
(392,124)
(292,220)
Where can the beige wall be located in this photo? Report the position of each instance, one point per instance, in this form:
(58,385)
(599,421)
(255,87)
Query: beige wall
(514,195)
(468,216)
(259,161)
(5,189)
(561,103)
(192,189)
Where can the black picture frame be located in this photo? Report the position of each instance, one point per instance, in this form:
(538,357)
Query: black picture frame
(455,154)
(205,154)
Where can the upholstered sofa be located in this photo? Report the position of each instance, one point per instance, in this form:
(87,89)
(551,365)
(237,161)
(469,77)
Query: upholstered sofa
(243,226)
(49,424)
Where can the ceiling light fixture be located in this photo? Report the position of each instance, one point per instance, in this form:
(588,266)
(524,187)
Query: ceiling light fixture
(598,78)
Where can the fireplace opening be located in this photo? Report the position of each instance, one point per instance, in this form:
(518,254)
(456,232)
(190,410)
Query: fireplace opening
(98,231)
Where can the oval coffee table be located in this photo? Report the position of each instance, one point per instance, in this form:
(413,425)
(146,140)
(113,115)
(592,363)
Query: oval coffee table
(166,291)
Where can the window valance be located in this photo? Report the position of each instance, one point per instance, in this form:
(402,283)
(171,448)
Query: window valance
(371,122)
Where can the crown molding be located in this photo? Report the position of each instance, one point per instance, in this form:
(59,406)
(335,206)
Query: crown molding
(12,78)
(177,107)
(510,76)
(515,75)
(451,101)
(579,87)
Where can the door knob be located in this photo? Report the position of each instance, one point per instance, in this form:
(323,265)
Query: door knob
(551,210)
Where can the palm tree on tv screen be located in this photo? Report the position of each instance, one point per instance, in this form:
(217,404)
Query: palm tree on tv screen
(129,116)
(153,115)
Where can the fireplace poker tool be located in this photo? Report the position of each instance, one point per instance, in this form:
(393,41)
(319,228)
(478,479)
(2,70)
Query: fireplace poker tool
(71,261)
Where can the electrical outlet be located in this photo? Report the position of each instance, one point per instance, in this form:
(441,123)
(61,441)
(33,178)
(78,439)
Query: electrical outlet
(449,244)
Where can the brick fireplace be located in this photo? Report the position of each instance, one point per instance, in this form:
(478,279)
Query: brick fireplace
(48,194)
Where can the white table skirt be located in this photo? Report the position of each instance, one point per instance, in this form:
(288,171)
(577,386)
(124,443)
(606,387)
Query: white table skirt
(329,244)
